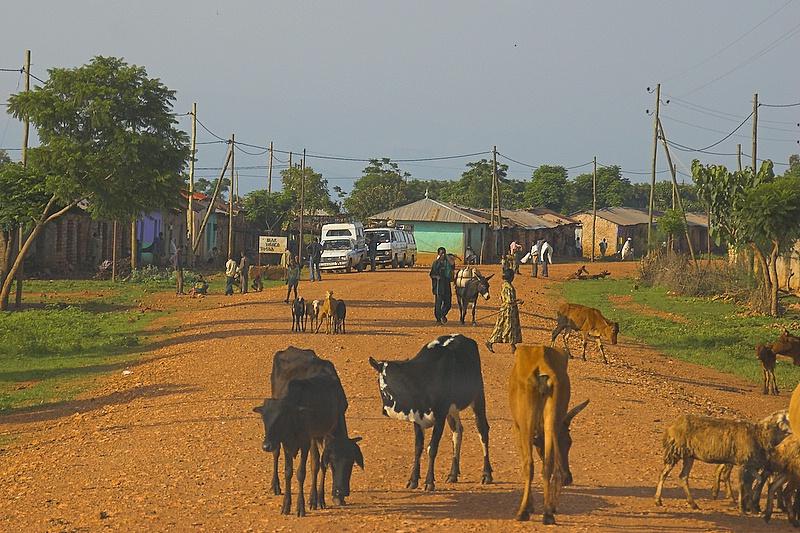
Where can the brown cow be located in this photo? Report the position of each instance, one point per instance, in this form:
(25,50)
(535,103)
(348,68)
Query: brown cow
(588,321)
(539,391)
(788,345)
(794,411)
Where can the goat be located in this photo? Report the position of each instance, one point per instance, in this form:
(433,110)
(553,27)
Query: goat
(589,322)
(765,354)
(312,312)
(717,441)
(326,312)
(339,316)
(298,315)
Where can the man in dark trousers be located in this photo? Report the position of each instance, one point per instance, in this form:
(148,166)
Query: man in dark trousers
(441,276)
(244,266)
(314,258)
(372,250)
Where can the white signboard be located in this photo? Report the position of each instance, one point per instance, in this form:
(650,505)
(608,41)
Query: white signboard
(271,245)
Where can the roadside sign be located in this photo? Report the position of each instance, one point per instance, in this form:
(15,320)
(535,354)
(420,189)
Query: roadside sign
(271,245)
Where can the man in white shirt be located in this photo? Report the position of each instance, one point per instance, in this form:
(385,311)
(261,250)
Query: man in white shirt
(230,273)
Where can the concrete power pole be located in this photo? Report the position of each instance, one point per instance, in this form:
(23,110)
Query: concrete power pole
(653,175)
(594,204)
(755,133)
(25,134)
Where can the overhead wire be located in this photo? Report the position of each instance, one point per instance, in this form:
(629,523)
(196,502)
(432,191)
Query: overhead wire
(723,114)
(721,131)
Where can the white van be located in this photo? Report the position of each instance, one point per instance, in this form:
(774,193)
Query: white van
(395,247)
(343,247)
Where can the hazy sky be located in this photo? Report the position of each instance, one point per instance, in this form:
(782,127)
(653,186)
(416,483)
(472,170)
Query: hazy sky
(555,82)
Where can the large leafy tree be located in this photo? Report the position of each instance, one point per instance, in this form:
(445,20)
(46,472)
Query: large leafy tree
(269,211)
(207,186)
(474,189)
(316,195)
(108,137)
(613,190)
(382,186)
(548,188)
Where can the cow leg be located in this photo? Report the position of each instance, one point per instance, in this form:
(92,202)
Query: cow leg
(276,484)
(433,450)
(728,487)
(774,381)
(556,330)
(745,488)
(585,341)
(565,338)
(454,421)
(288,467)
(660,485)
(479,408)
(758,487)
(419,442)
(684,477)
(765,375)
(323,474)
(314,495)
(301,479)
(524,443)
(600,347)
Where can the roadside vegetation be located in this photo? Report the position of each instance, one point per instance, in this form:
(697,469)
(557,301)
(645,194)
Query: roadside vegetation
(713,333)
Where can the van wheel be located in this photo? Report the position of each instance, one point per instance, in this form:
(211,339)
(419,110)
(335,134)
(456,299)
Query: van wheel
(413,260)
(360,266)
(348,268)
(394,262)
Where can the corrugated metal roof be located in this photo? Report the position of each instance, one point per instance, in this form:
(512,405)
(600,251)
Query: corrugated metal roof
(552,216)
(429,210)
(631,216)
(526,219)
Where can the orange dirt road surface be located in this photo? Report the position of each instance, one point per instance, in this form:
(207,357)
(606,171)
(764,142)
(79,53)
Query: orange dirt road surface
(173,445)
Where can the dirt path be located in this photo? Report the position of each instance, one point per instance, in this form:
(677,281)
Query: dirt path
(174,445)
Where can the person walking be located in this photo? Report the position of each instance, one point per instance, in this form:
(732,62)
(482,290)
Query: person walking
(244,266)
(507,329)
(292,277)
(314,258)
(516,254)
(230,274)
(546,257)
(372,250)
(441,276)
(627,250)
(603,247)
(178,264)
(536,251)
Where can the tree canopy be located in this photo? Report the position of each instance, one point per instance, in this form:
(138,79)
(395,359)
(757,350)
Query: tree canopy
(381,187)
(316,195)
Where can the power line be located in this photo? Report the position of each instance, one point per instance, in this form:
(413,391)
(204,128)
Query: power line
(534,167)
(721,131)
(703,150)
(724,115)
(782,105)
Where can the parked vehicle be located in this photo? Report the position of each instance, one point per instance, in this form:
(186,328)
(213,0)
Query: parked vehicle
(395,247)
(343,247)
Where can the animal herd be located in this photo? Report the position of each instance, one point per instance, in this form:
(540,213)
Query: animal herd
(329,311)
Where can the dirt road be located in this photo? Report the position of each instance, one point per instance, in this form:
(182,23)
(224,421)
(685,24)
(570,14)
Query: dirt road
(174,444)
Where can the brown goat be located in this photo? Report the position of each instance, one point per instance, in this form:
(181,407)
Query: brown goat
(586,320)
(327,312)
(765,354)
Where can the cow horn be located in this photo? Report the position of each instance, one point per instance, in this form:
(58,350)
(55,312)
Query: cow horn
(375,364)
(574,411)
(490,276)
(257,409)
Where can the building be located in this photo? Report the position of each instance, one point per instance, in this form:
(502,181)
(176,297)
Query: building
(438,224)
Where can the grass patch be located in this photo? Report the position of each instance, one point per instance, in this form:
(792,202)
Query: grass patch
(711,333)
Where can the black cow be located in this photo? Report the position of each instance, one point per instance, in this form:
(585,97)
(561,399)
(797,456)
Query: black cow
(298,314)
(339,453)
(443,379)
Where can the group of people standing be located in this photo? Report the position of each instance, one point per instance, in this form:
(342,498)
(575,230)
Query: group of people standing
(232,268)
(541,253)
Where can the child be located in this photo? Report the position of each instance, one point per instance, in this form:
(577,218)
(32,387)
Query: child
(292,277)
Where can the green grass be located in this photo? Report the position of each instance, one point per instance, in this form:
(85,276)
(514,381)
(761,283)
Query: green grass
(715,334)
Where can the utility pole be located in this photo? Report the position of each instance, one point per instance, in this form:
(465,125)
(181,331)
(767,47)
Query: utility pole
(739,156)
(25,133)
(269,172)
(594,204)
(680,202)
(491,216)
(230,198)
(114,252)
(193,154)
(755,133)
(653,175)
(496,180)
(302,205)
(213,202)
(237,186)
(134,262)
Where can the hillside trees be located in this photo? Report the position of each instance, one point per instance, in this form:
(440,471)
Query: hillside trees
(108,138)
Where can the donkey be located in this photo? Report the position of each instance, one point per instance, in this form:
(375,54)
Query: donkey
(470,283)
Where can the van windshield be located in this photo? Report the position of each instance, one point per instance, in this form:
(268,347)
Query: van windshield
(339,233)
(337,244)
(380,236)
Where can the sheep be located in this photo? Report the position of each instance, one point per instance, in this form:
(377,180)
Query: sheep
(717,441)
(765,354)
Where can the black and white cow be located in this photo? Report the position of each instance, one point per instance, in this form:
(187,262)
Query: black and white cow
(443,379)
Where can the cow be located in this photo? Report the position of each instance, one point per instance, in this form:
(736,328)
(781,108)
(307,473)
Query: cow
(539,393)
(469,285)
(586,320)
(297,364)
(430,389)
(298,315)
(788,345)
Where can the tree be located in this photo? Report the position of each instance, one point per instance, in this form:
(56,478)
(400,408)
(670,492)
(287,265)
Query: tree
(206,186)
(612,189)
(672,225)
(382,186)
(547,188)
(4,157)
(794,165)
(475,186)
(108,138)
(268,210)
(316,194)
(771,218)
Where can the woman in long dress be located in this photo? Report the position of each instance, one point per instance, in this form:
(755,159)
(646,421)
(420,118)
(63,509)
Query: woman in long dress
(507,329)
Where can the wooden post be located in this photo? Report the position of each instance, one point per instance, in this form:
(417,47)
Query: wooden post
(755,133)
(269,172)
(114,252)
(213,201)
(193,156)
(491,216)
(653,175)
(25,133)
(496,180)
(594,205)
(230,198)
(134,262)
(302,205)
(678,197)
(739,156)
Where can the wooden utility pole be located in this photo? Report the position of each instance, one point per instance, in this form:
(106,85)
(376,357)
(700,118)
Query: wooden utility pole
(25,133)
(678,197)
(213,201)
(498,198)
(237,186)
(653,175)
(755,133)
(230,198)
(193,156)
(134,262)
(302,205)
(269,172)
(491,216)
(114,251)
(739,156)
(594,204)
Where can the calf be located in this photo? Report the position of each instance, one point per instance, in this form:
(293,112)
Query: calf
(295,363)
(767,357)
(443,379)
(586,320)
(539,392)
(326,312)
(298,314)
(310,413)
